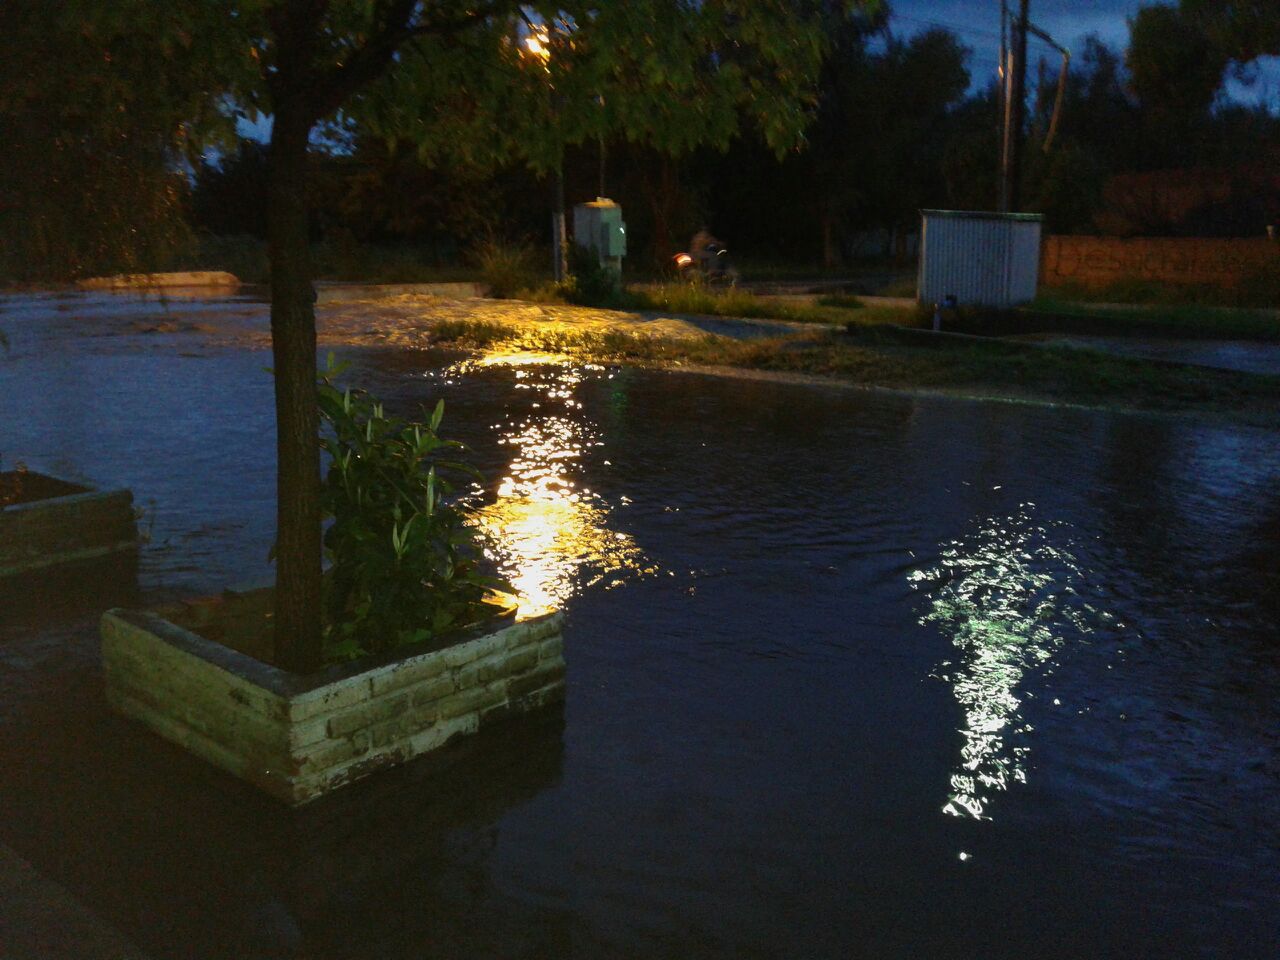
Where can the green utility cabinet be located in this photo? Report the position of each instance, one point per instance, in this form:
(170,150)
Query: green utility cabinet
(598,226)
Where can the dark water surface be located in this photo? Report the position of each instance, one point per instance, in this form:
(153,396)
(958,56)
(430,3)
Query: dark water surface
(849,675)
(1243,355)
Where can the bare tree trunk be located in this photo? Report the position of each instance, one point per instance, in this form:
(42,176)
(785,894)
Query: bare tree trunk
(293,347)
(830,257)
(664,196)
(559,240)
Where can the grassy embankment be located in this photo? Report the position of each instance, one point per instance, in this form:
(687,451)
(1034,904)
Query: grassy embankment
(1045,315)
(1176,321)
(1262,290)
(875,346)
(834,310)
(893,358)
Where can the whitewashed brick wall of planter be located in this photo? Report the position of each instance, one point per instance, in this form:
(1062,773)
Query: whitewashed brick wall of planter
(300,737)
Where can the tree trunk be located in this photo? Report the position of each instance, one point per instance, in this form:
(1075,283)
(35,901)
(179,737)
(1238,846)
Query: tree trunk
(830,258)
(559,239)
(293,347)
(664,196)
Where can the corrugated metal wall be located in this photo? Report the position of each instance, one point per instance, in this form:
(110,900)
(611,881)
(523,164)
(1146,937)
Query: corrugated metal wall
(1024,260)
(979,258)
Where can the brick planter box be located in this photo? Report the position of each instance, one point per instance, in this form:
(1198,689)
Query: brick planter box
(299,737)
(47,523)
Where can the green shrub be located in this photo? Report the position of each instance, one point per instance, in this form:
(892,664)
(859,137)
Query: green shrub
(404,562)
(506,268)
(589,283)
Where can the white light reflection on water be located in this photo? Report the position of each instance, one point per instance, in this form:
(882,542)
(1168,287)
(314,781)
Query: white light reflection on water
(1010,596)
(549,535)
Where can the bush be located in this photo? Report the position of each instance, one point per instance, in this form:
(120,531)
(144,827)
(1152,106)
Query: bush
(506,268)
(404,563)
(590,284)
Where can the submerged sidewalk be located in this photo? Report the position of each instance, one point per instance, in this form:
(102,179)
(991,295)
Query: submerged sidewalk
(40,920)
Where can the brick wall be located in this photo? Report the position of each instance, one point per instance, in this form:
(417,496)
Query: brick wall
(299,741)
(82,526)
(1097,261)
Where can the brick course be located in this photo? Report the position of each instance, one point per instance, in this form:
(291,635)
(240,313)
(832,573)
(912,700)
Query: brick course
(70,529)
(299,737)
(1098,261)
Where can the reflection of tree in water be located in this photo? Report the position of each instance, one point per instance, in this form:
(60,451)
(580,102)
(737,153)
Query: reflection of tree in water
(404,866)
(1009,596)
(544,529)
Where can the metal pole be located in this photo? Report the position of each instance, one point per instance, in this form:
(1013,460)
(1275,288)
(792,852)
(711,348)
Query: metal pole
(560,267)
(559,249)
(602,160)
(1002,101)
(1017,108)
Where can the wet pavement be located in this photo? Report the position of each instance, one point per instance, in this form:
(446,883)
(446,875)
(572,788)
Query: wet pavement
(1246,356)
(848,674)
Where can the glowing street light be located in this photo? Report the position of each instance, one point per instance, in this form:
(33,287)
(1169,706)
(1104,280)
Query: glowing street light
(537,44)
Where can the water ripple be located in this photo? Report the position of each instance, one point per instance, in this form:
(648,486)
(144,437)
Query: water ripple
(1011,595)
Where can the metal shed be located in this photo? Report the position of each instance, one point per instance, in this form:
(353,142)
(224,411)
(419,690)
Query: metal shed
(992,259)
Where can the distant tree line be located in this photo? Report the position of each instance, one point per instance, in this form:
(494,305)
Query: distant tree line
(895,130)
(1146,145)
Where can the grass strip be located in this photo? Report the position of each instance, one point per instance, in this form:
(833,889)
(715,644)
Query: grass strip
(1184,321)
(910,360)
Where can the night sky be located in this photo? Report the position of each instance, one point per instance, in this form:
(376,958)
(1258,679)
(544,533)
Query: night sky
(977,23)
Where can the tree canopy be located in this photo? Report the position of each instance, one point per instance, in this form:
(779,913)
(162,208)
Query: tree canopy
(464,80)
(108,102)
(102,106)
(1243,30)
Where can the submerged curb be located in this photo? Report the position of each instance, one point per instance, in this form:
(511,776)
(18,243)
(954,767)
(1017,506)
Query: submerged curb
(41,919)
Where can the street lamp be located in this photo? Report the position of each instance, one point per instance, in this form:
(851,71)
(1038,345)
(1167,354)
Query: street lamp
(537,44)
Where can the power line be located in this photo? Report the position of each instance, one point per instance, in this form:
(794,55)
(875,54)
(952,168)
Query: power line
(954,27)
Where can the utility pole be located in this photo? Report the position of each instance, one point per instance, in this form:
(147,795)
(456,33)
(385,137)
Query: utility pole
(559,245)
(1002,103)
(1014,113)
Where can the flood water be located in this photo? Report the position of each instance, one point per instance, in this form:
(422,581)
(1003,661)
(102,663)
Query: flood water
(1245,356)
(849,675)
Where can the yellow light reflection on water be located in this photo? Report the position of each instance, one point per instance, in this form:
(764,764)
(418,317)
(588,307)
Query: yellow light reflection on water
(1009,598)
(548,535)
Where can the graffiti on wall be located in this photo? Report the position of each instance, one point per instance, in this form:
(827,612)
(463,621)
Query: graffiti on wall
(1095,261)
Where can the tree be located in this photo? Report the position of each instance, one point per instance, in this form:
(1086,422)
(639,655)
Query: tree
(1243,30)
(1066,181)
(98,122)
(1177,55)
(1174,66)
(900,114)
(874,151)
(670,73)
(447,74)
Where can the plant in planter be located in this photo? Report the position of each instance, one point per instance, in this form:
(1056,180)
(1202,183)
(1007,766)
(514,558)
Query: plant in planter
(404,563)
(417,650)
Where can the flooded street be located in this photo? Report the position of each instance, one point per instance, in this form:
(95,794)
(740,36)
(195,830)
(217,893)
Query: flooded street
(1244,355)
(849,674)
